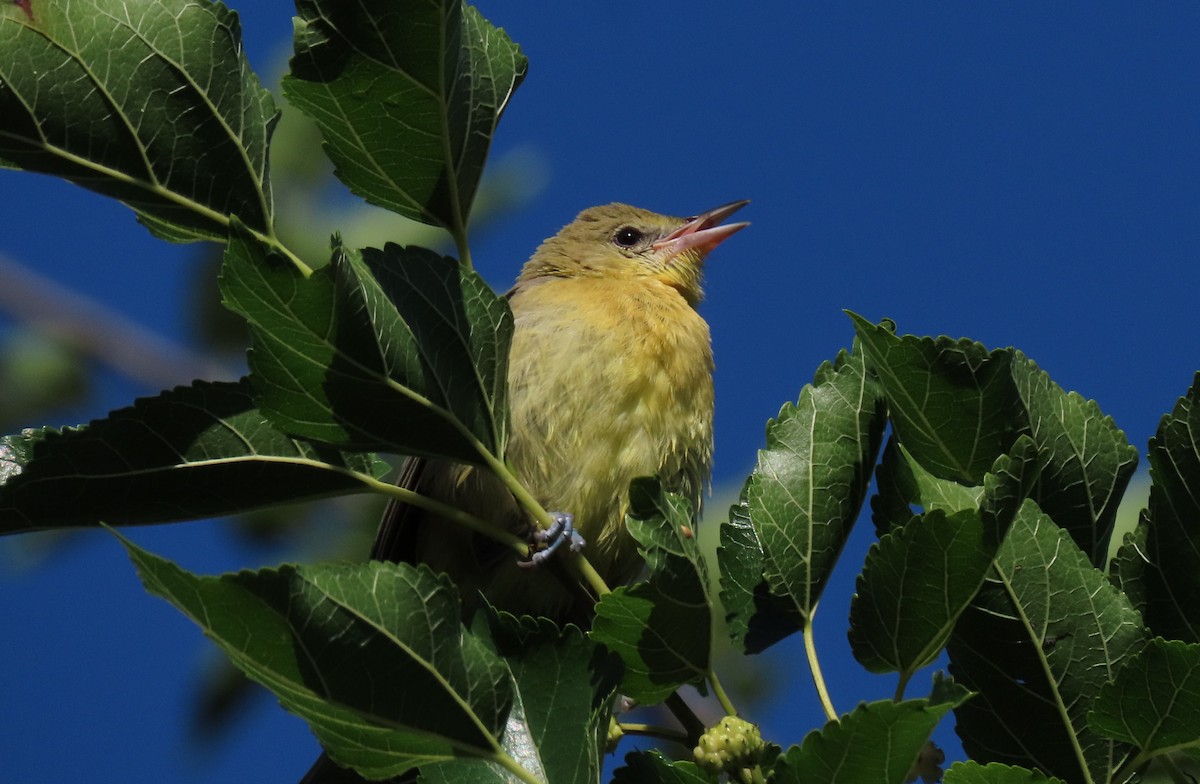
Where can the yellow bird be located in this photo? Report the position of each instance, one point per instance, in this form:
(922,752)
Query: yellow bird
(610,378)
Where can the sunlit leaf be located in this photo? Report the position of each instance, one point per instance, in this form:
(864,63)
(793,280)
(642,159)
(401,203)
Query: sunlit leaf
(952,402)
(407,94)
(661,627)
(877,741)
(1088,461)
(152,103)
(805,493)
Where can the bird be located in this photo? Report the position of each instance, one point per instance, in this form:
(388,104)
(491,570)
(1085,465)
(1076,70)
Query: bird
(609,379)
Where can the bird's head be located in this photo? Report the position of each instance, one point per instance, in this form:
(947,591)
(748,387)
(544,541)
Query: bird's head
(620,241)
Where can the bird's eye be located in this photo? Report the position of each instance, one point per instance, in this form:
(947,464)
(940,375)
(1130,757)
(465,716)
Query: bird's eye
(627,237)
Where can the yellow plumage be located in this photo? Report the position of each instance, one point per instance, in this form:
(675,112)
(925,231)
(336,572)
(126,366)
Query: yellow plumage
(610,378)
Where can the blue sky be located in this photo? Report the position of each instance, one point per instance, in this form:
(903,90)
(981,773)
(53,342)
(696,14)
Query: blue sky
(1023,174)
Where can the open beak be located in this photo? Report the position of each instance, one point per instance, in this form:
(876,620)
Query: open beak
(703,232)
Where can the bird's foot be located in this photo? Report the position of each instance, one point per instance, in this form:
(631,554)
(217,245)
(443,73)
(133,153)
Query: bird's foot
(551,539)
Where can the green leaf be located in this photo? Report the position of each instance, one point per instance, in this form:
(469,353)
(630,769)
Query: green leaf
(914,584)
(407,95)
(877,742)
(1160,562)
(372,656)
(1154,703)
(1088,461)
(564,685)
(1040,640)
(651,767)
(754,616)
(952,402)
(198,451)
(151,103)
(661,627)
(971,772)
(805,493)
(397,349)
(922,574)
(903,484)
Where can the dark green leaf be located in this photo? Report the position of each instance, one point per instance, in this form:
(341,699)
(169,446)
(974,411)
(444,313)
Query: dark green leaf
(1006,486)
(661,627)
(564,686)
(1160,562)
(903,484)
(877,742)
(651,767)
(372,656)
(971,772)
(753,615)
(150,103)
(952,402)
(914,584)
(198,451)
(1154,703)
(395,350)
(1038,643)
(804,494)
(1088,461)
(407,95)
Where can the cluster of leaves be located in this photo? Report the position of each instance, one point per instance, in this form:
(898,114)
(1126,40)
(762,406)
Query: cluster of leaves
(996,491)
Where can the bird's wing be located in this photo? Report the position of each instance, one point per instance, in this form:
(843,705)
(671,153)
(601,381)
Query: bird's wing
(399,529)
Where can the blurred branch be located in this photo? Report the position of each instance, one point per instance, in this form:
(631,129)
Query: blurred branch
(100,332)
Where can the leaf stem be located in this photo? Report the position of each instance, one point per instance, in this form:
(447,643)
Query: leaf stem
(653,730)
(506,538)
(814,666)
(515,768)
(901,685)
(720,693)
(580,563)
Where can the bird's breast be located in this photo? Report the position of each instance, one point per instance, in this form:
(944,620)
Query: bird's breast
(608,381)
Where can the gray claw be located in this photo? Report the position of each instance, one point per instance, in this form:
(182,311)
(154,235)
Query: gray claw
(563,530)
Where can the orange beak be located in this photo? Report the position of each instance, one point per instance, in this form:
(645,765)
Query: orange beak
(703,232)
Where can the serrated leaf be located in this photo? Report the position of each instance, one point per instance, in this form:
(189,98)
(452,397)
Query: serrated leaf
(952,402)
(1154,703)
(397,349)
(564,686)
(192,452)
(1037,644)
(1088,461)
(152,103)
(362,652)
(903,484)
(1159,563)
(806,491)
(754,616)
(661,627)
(407,95)
(914,584)
(1006,486)
(876,742)
(971,772)
(651,767)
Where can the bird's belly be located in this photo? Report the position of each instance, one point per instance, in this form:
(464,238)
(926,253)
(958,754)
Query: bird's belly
(594,413)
